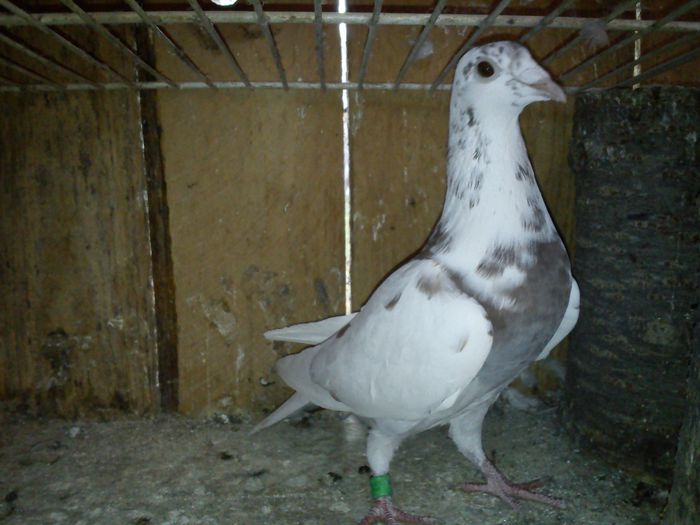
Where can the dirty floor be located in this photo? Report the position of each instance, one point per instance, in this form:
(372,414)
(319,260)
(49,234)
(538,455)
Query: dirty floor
(173,470)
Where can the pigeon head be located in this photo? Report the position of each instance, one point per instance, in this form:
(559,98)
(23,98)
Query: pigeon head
(503,74)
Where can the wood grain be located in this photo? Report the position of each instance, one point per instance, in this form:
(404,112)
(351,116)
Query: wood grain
(77,315)
(255,195)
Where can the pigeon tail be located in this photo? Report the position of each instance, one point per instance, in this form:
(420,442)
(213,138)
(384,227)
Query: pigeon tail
(311,333)
(289,407)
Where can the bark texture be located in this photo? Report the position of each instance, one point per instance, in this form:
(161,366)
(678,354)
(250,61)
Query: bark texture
(684,505)
(636,159)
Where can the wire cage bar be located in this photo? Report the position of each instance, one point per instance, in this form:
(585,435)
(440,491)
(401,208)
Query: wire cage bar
(22,75)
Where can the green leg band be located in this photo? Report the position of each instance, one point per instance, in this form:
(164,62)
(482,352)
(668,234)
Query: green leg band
(381,486)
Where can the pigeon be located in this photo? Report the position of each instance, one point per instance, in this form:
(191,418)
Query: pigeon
(490,292)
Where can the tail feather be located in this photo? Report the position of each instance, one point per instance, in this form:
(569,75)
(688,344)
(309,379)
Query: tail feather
(294,369)
(310,333)
(289,407)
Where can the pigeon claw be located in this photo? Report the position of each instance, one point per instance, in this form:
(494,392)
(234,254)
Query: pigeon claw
(497,485)
(385,512)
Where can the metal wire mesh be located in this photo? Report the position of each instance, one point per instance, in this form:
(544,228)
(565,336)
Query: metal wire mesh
(25,66)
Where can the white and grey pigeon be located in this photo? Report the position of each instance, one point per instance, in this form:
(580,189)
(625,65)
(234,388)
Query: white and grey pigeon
(490,292)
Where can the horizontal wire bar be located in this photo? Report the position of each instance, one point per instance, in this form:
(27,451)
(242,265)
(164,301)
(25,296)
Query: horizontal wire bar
(308,17)
(662,68)
(335,86)
(684,39)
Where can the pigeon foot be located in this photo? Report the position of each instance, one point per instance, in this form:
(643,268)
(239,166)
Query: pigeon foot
(498,485)
(385,512)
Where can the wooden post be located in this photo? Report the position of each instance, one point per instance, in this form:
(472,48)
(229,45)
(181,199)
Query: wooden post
(159,234)
(635,156)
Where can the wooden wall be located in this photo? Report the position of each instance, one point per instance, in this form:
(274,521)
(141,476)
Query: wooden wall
(251,202)
(77,316)
(256,205)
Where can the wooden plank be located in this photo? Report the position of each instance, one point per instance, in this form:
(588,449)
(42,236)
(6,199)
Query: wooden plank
(255,195)
(77,310)
(159,236)
(399,148)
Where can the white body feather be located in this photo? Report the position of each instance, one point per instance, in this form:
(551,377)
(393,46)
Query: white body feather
(491,292)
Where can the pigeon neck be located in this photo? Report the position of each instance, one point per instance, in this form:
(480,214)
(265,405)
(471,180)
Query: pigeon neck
(487,163)
(492,196)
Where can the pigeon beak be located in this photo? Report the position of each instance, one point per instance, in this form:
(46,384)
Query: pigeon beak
(550,89)
(538,79)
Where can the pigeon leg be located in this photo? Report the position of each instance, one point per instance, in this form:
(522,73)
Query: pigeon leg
(380,450)
(384,511)
(465,431)
(498,485)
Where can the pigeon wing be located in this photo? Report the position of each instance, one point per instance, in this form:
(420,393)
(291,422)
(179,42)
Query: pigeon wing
(416,344)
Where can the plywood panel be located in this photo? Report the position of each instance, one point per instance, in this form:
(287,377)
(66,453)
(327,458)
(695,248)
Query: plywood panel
(76,311)
(255,193)
(399,148)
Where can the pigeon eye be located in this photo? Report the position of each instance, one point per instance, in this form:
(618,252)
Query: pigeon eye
(485,69)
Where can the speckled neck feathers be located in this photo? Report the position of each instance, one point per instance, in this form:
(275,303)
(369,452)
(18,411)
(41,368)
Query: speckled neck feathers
(492,195)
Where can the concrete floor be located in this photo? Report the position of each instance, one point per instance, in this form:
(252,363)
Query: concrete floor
(172,470)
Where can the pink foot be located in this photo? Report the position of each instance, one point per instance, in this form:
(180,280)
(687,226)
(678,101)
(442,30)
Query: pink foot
(384,511)
(497,485)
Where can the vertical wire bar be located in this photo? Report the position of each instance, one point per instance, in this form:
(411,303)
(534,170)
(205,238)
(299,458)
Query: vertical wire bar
(485,24)
(347,187)
(631,38)
(36,24)
(121,46)
(662,68)
(619,9)
(318,27)
(545,21)
(28,72)
(218,40)
(44,60)
(371,33)
(637,45)
(9,82)
(179,52)
(264,24)
(684,39)
(419,42)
